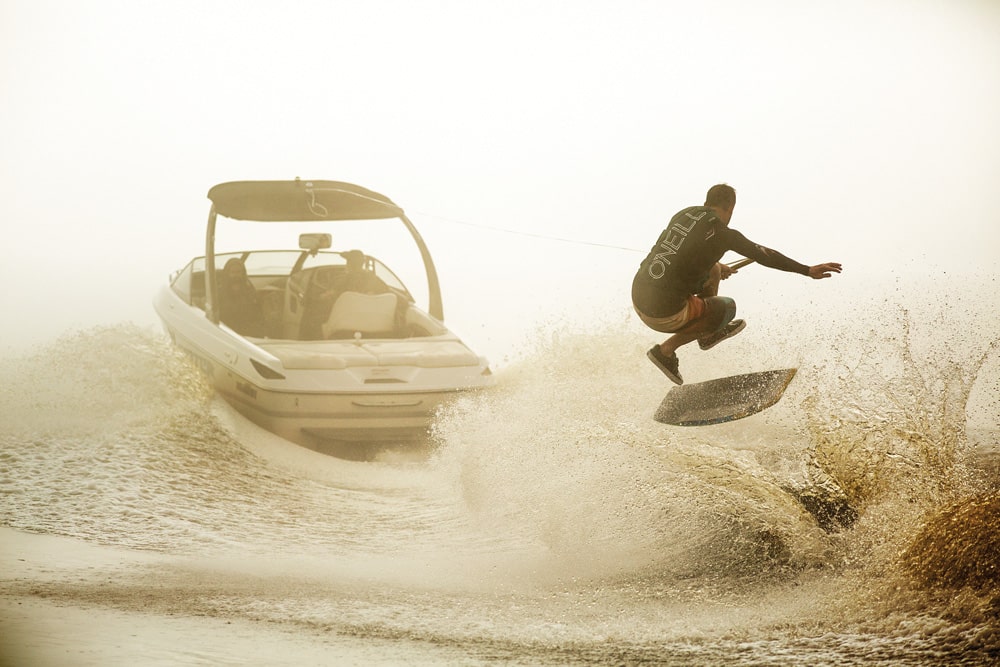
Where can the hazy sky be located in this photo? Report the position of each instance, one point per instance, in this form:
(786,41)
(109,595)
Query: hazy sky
(864,132)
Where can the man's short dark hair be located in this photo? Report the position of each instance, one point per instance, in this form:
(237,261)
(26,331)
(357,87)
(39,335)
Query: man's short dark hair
(721,195)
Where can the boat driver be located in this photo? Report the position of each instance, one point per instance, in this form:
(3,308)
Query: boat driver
(356,278)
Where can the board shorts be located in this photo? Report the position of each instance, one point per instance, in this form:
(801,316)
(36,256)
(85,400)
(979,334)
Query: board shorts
(694,309)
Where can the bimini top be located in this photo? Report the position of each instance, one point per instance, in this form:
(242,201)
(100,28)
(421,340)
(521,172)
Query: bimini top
(299,200)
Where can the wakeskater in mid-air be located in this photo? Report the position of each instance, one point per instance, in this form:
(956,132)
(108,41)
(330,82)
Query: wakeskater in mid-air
(676,288)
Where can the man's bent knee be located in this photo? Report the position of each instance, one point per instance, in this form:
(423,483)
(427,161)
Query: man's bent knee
(719,311)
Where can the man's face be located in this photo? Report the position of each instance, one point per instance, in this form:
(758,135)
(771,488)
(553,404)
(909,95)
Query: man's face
(727,214)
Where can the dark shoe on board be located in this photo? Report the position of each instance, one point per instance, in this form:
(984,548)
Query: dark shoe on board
(728,331)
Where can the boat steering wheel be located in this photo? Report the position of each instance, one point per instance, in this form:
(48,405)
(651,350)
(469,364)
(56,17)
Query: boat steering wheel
(323,280)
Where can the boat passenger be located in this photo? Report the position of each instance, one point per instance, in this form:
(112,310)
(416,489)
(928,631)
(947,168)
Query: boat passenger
(239,308)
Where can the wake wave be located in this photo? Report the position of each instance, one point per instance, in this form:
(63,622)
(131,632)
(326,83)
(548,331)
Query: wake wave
(565,454)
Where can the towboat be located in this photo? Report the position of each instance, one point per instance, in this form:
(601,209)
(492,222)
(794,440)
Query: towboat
(325,348)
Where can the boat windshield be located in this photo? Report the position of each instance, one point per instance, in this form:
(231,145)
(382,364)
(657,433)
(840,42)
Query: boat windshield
(272,268)
(278,263)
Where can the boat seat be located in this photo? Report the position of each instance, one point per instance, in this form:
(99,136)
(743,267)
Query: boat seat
(365,313)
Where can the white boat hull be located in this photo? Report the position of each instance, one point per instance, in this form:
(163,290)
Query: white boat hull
(331,396)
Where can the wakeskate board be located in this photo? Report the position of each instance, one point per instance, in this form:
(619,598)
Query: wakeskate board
(723,400)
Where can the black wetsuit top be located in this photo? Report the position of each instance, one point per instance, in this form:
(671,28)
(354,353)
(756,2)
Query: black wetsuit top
(679,264)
